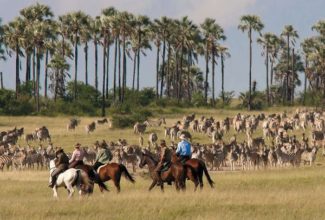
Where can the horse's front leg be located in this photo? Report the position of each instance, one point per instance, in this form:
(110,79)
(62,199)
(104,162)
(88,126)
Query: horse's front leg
(70,190)
(55,192)
(153,184)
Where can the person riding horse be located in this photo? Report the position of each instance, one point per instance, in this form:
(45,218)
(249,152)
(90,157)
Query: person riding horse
(183,150)
(77,157)
(61,164)
(164,159)
(104,155)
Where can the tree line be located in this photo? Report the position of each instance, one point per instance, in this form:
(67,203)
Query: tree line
(37,38)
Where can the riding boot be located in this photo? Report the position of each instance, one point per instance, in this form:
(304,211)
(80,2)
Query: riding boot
(53,181)
(159,180)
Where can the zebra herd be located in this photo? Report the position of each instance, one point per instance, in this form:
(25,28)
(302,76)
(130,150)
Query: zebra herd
(277,147)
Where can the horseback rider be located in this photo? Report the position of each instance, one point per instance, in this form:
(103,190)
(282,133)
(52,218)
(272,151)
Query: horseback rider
(77,157)
(104,155)
(61,164)
(183,150)
(164,159)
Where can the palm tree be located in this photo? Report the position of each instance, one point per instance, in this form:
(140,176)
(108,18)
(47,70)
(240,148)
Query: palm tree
(85,37)
(2,51)
(13,33)
(95,30)
(266,42)
(250,23)
(156,37)
(276,45)
(31,14)
(223,51)
(75,23)
(290,34)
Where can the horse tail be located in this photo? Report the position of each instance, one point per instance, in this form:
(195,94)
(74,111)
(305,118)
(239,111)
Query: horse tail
(98,180)
(126,173)
(85,180)
(211,183)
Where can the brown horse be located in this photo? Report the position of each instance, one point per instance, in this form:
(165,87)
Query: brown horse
(114,171)
(198,167)
(176,173)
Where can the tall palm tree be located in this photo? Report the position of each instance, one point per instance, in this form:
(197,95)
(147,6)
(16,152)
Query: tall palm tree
(250,23)
(31,14)
(95,31)
(75,22)
(2,51)
(85,37)
(156,37)
(290,34)
(276,45)
(223,51)
(212,33)
(266,42)
(13,33)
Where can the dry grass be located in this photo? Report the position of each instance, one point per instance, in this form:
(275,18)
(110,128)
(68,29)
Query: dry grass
(265,194)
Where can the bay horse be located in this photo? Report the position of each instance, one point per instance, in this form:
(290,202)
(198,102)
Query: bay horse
(114,171)
(70,178)
(198,166)
(176,173)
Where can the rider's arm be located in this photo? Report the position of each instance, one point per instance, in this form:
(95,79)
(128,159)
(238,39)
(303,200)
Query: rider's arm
(72,157)
(178,150)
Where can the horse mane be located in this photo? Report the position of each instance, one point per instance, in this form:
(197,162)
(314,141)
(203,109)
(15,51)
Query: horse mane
(150,157)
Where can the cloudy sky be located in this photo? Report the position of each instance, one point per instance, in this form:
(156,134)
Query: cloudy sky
(275,14)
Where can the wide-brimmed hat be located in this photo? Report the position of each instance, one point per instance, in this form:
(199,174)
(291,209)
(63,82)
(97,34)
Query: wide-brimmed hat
(183,137)
(77,145)
(59,150)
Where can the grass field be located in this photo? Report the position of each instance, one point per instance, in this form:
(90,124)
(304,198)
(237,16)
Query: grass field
(289,193)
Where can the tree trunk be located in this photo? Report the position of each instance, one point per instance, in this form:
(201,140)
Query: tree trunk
(180,73)
(119,71)
(271,72)
(1,80)
(124,68)
(46,72)
(206,74)
(267,75)
(86,62)
(17,70)
(222,78)
(292,95)
(107,69)
(114,74)
(163,69)
(134,69)
(34,69)
(75,67)
(28,57)
(96,64)
(104,74)
(168,73)
(157,72)
(213,77)
(250,71)
(38,65)
(288,63)
(138,70)
(175,81)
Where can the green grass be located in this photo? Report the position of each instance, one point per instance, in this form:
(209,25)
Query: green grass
(288,193)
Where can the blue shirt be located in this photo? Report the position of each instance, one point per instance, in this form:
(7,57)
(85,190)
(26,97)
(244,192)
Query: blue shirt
(184,148)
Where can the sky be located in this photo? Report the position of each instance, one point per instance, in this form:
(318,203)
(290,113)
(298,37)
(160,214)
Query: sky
(275,14)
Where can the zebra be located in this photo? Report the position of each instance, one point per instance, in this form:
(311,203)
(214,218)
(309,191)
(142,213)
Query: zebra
(5,160)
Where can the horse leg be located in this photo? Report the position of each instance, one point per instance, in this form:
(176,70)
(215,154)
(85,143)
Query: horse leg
(116,181)
(152,184)
(200,176)
(70,190)
(55,192)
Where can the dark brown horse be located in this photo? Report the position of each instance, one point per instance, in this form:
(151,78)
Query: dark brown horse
(199,167)
(114,171)
(176,173)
